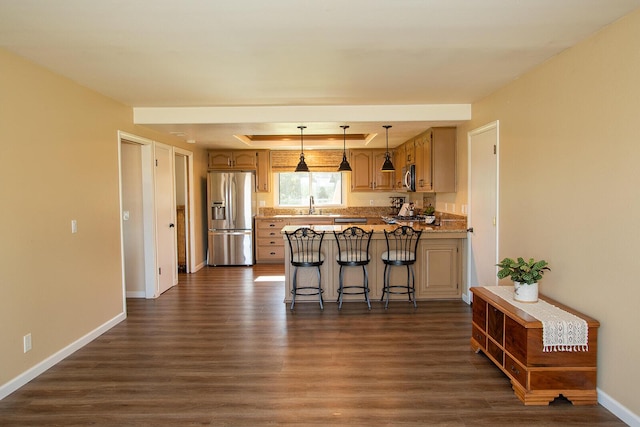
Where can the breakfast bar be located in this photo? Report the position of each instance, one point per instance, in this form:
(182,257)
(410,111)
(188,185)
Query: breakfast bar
(438,268)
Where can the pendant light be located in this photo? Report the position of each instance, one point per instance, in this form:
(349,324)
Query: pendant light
(302,165)
(387,166)
(344,166)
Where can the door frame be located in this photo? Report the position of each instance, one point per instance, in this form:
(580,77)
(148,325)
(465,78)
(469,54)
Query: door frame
(190,206)
(489,126)
(148,206)
(148,194)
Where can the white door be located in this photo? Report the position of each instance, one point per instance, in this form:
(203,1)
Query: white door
(483,205)
(167,258)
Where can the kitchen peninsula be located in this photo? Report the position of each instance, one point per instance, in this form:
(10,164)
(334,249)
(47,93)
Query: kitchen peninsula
(438,268)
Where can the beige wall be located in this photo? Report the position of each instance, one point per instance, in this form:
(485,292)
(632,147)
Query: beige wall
(569,177)
(60,162)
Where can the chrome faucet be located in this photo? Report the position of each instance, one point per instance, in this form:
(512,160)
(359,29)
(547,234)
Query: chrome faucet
(312,210)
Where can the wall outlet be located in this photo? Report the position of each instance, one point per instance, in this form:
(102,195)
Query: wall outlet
(371,202)
(446,207)
(26,342)
(453,207)
(262,203)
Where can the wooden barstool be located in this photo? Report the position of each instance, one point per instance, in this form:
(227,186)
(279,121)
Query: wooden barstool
(402,244)
(305,251)
(353,251)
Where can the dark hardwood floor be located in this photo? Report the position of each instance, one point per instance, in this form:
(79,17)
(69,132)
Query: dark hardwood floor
(221,348)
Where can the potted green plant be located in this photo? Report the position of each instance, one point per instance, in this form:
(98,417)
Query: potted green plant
(429,214)
(525,276)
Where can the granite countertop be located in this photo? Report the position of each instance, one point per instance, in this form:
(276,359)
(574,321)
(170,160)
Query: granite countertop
(459,228)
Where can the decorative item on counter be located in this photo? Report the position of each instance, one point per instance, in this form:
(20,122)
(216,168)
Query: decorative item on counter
(404,210)
(429,214)
(396,204)
(525,276)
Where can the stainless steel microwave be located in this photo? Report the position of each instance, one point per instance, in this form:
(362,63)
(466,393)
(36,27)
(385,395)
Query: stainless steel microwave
(409,177)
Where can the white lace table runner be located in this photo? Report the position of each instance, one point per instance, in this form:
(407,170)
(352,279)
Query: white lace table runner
(561,330)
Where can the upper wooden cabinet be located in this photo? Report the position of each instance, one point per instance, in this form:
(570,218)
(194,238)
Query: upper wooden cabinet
(263,171)
(367,172)
(232,160)
(435,152)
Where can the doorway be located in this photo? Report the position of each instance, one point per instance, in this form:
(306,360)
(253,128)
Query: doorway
(483,149)
(141,218)
(137,216)
(184,209)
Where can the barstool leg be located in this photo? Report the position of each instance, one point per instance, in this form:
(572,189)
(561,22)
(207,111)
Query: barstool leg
(387,284)
(413,287)
(320,288)
(366,286)
(341,287)
(294,290)
(408,278)
(384,283)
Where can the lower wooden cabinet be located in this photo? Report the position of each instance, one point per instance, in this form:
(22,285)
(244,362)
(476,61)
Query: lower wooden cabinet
(512,340)
(269,239)
(269,243)
(438,270)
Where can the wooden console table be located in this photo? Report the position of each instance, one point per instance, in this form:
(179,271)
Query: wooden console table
(512,339)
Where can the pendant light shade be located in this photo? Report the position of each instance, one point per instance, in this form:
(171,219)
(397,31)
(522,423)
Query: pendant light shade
(387,166)
(302,165)
(344,165)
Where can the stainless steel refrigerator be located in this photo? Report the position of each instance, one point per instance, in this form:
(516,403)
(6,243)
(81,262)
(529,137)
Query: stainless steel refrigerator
(232,206)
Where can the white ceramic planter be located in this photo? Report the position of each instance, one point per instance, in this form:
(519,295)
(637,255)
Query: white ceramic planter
(524,292)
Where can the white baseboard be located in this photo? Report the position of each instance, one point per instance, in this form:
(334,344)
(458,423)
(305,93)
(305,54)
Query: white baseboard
(17,382)
(466,298)
(136,294)
(618,410)
(200,266)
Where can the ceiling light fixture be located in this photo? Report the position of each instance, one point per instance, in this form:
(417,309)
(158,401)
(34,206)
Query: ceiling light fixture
(344,165)
(387,166)
(302,165)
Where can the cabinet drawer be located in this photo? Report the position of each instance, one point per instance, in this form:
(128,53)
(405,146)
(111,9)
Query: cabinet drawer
(274,224)
(272,253)
(269,234)
(516,370)
(270,242)
(479,312)
(479,336)
(495,324)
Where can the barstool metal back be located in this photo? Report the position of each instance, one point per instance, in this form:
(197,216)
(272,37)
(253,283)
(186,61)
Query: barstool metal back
(402,246)
(305,249)
(353,251)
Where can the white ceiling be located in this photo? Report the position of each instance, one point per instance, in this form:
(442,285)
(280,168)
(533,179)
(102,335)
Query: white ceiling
(304,59)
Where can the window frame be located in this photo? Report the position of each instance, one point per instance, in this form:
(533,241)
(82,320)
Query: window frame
(276,192)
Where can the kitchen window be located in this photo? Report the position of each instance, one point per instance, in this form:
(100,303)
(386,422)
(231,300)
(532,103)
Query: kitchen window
(295,188)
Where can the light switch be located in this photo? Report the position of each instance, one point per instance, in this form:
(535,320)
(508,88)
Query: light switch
(74,226)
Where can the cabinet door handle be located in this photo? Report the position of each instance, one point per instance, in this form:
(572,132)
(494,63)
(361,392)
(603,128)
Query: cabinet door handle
(513,369)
